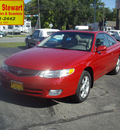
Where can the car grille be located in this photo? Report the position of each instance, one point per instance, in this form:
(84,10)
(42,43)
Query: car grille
(21,72)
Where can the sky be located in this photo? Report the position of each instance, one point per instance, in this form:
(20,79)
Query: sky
(108,3)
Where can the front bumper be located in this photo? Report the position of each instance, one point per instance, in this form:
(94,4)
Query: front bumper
(40,87)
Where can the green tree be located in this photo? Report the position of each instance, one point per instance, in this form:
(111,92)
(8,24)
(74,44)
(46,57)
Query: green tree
(68,13)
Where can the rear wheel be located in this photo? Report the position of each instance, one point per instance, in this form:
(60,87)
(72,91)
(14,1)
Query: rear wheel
(83,87)
(117,67)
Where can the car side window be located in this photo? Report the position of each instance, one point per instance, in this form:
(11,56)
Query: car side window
(36,34)
(101,40)
(111,41)
(116,34)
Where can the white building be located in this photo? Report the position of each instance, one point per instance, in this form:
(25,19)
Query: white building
(17,29)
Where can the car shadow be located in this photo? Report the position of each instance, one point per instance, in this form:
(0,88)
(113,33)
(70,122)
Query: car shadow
(22,47)
(24,100)
(29,101)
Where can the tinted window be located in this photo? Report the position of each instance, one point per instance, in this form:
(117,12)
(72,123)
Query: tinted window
(69,40)
(101,40)
(36,34)
(111,41)
(116,34)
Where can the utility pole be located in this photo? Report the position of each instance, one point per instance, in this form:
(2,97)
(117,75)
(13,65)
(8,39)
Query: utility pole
(39,14)
(103,16)
(94,13)
(118,14)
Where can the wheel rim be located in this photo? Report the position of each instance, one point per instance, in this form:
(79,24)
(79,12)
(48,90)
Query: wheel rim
(118,65)
(85,86)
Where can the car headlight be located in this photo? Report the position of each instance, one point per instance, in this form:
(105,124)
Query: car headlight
(56,73)
(4,67)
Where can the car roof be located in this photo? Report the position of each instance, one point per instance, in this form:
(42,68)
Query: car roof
(48,29)
(115,30)
(83,31)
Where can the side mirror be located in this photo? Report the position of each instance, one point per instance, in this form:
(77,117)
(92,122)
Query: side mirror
(101,48)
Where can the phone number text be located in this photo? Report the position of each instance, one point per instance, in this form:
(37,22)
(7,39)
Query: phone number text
(7,18)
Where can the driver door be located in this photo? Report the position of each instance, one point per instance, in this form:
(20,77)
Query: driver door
(102,60)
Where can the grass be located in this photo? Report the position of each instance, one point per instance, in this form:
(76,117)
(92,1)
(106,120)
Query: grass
(13,44)
(16,35)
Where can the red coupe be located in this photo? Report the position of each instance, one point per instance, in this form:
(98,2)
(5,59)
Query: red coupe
(65,64)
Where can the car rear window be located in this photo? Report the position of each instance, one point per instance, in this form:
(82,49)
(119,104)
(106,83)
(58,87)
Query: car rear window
(49,33)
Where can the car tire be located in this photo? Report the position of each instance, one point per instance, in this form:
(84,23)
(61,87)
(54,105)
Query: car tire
(27,44)
(117,68)
(1,35)
(83,88)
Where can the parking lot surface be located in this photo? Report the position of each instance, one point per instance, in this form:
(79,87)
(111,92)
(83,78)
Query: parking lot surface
(12,39)
(101,111)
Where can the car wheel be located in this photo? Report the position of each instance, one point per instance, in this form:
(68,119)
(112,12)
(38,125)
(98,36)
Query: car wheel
(83,88)
(1,35)
(117,68)
(27,44)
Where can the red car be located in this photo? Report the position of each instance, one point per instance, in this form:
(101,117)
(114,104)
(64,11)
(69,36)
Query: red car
(65,64)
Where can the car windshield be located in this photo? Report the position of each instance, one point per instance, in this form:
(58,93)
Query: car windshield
(69,40)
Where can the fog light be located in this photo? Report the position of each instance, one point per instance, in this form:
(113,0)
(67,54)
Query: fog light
(55,92)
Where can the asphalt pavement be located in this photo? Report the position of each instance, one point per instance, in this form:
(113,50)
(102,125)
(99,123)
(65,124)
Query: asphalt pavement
(12,39)
(101,111)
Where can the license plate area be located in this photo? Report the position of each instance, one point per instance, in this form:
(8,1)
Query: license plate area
(17,85)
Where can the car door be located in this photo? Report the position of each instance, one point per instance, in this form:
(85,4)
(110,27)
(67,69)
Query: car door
(102,59)
(113,49)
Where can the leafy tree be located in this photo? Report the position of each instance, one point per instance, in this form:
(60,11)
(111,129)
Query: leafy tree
(65,14)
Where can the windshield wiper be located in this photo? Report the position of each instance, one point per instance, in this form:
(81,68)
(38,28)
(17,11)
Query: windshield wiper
(54,47)
(62,48)
(42,46)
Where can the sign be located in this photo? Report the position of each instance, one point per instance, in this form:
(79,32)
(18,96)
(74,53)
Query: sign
(117,4)
(11,12)
(31,15)
(50,25)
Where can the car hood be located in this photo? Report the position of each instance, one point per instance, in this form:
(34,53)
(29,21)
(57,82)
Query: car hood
(45,58)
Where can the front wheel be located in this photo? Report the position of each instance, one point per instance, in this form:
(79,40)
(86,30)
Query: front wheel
(1,35)
(83,88)
(27,44)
